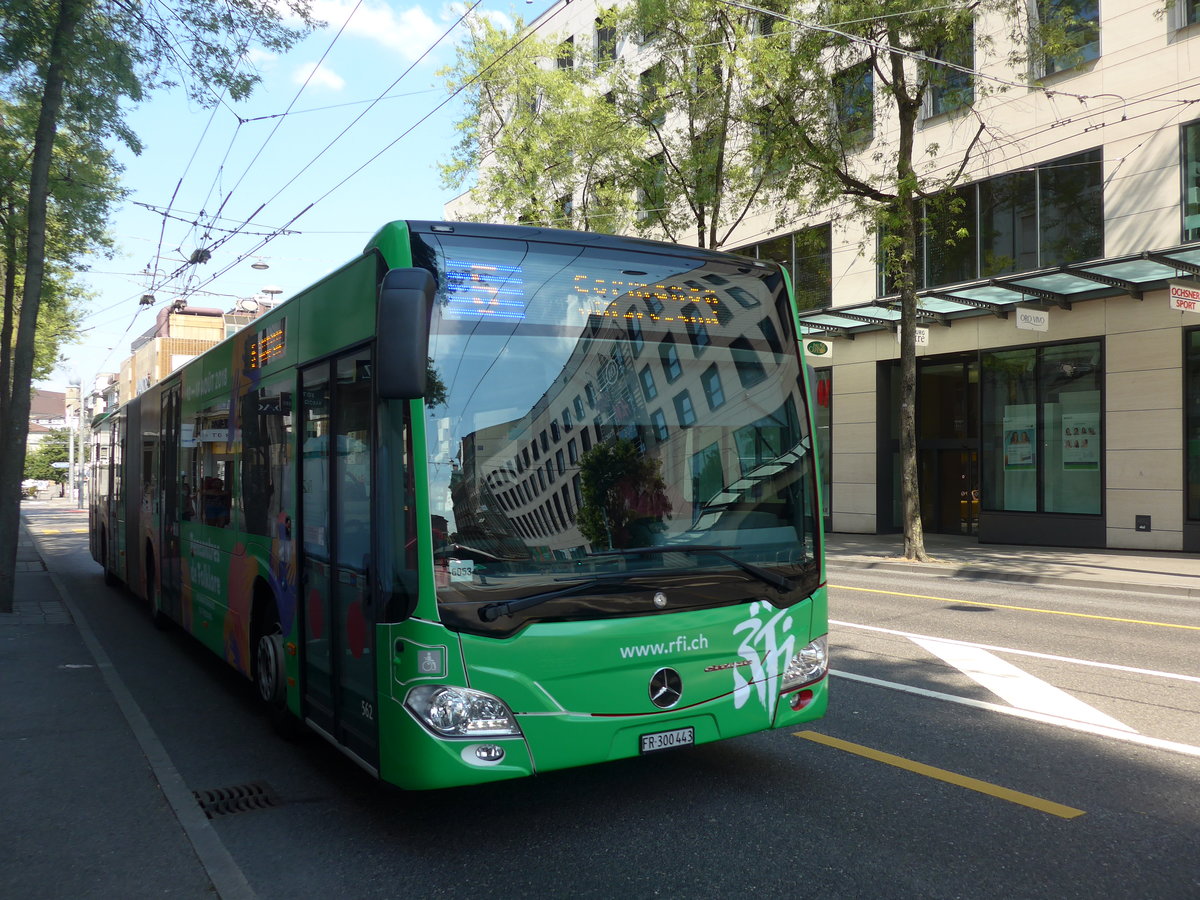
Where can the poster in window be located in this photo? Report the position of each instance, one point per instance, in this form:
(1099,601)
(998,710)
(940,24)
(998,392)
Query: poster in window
(1020,435)
(1081,441)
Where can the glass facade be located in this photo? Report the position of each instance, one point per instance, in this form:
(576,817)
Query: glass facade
(1053,215)
(1042,429)
(807,255)
(1190,175)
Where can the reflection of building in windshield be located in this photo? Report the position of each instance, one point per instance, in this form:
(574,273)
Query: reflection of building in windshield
(691,383)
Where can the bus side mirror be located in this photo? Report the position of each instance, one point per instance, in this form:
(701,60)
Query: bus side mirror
(402,331)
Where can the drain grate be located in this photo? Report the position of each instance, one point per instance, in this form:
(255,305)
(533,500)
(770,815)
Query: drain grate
(236,799)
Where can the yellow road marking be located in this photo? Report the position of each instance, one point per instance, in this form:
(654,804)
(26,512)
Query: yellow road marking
(974,784)
(60,531)
(1049,612)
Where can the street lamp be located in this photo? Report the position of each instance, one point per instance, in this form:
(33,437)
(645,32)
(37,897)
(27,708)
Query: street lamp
(272,291)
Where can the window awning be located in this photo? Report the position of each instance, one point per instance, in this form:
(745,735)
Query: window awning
(1042,289)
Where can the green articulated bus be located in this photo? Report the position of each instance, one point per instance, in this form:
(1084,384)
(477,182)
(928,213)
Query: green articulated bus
(489,501)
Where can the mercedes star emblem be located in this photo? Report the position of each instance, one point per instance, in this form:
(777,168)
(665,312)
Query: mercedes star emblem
(666,687)
(660,599)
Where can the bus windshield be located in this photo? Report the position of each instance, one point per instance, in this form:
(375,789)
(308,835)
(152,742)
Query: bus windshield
(613,431)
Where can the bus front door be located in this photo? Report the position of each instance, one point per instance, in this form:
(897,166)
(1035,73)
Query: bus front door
(339,622)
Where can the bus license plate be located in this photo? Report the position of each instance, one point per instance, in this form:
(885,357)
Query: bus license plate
(668,740)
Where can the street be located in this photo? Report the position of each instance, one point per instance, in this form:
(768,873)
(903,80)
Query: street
(984,740)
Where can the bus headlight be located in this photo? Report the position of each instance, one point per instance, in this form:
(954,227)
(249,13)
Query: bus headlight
(809,665)
(460,712)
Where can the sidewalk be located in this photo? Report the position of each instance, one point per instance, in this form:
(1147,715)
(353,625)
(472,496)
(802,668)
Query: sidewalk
(84,810)
(1175,574)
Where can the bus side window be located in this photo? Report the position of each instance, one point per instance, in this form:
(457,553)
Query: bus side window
(212,470)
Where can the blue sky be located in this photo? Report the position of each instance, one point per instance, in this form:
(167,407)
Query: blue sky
(204,160)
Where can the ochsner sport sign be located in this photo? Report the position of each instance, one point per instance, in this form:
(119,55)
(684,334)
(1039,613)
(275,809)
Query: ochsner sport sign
(1185,295)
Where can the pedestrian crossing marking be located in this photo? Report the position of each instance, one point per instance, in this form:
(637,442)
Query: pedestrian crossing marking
(1015,685)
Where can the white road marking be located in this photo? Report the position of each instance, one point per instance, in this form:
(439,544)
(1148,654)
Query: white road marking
(1012,650)
(1128,737)
(1016,686)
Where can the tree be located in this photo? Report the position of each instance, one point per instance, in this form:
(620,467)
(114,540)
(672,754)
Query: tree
(53,447)
(656,128)
(76,62)
(884,67)
(624,495)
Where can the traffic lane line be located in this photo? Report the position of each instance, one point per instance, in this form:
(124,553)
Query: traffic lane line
(964,781)
(1049,612)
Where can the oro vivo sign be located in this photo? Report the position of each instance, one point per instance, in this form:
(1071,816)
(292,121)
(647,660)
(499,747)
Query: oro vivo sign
(1033,319)
(1185,295)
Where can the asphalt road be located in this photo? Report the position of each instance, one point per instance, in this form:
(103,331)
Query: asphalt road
(974,748)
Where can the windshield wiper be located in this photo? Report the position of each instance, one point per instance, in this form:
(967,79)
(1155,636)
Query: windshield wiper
(779,582)
(490,612)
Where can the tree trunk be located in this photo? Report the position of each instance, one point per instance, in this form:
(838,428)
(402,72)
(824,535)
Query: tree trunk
(907,108)
(10,309)
(15,430)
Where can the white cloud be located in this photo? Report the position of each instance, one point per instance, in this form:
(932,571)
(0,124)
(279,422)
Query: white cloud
(318,76)
(409,32)
(261,59)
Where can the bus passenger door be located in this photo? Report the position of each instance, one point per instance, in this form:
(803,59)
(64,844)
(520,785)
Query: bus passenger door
(170,487)
(338,630)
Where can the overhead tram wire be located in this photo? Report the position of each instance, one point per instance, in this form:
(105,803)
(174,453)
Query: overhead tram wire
(286,112)
(234,232)
(263,242)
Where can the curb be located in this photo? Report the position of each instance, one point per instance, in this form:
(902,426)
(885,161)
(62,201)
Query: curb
(974,572)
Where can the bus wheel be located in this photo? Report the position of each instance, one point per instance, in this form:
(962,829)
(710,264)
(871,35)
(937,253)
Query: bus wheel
(160,619)
(270,674)
(110,577)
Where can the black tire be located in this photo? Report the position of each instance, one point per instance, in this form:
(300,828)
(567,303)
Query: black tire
(110,577)
(270,674)
(160,619)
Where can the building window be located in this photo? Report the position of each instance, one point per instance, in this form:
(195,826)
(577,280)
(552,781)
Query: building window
(750,370)
(950,87)
(652,190)
(633,326)
(606,38)
(1192,424)
(684,411)
(648,386)
(711,380)
(1191,181)
(650,84)
(578,408)
(669,357)
(807,255)
(1069,33)
(1186,12)
(566,419)
(708,479)
(693,321)
(1051,216)
(854,103)
(566,54)
(572,451)
(659,421)
(1042,434)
